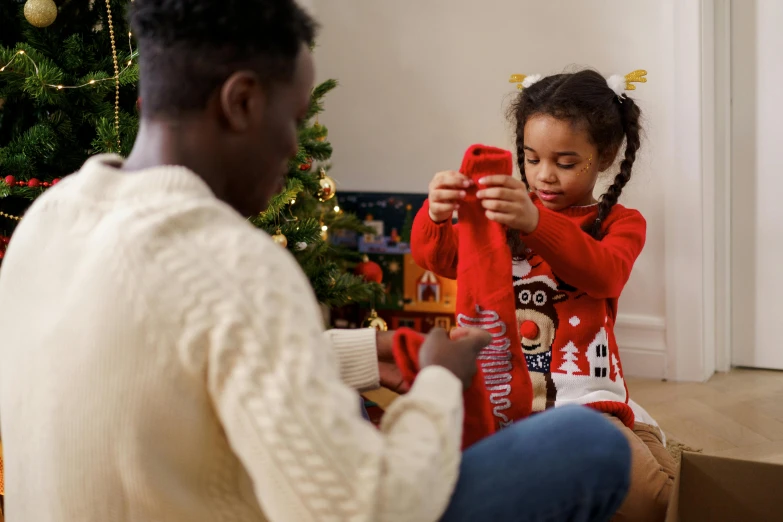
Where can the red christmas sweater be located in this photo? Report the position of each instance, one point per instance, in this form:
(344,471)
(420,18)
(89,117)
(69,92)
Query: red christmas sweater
(566,292)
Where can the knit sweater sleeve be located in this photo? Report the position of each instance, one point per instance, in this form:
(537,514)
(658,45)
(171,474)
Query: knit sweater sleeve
(357,356)
(297,427)
(434,245)
(599,268)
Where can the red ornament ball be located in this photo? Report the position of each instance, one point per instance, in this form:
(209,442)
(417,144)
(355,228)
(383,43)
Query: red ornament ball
(55,181)
(370,271)
(528,330)
(2,254)
(304,167)
(34,183)
(10,181)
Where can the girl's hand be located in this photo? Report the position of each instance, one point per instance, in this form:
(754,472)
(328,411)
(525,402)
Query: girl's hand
(447,189)
(391,376)
(507,202)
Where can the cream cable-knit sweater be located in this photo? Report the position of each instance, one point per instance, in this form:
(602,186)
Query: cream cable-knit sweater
(163,360)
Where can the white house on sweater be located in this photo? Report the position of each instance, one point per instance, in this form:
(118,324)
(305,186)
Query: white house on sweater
(161,359)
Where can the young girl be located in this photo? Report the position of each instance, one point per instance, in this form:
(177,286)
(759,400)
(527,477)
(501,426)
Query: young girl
(572,255)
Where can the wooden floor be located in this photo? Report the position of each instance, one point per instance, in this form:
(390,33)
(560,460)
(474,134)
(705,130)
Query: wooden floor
(737,414)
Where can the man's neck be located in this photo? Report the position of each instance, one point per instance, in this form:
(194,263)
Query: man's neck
(166,143)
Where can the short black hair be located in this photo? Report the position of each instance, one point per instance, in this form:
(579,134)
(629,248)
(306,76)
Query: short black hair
(188,48)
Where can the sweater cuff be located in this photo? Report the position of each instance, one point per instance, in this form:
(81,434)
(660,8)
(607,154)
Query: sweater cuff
(438,384)
(442,389)
(432,230)
(357,355)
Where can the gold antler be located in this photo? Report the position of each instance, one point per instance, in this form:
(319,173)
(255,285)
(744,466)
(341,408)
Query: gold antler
(638,76)
(518,79)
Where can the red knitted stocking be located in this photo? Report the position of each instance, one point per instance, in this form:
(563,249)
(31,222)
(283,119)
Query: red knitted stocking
(501,391)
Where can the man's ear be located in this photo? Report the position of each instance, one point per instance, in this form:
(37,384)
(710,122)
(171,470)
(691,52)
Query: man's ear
(242,100)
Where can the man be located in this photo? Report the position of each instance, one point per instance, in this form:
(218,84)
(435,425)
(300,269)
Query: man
(163,360)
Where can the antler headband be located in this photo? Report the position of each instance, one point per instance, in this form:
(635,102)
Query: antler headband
(617,83)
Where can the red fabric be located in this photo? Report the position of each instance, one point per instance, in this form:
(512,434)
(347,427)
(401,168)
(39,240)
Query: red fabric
(583,279)
(501,391)
(405,348)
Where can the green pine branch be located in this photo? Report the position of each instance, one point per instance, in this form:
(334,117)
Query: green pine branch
(316,99)
(278,204)
(48,132)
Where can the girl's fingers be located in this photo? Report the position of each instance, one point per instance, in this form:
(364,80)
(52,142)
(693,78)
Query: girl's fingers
(501,180)
(500,217)
(446,195)
(450,179)
(443,208)
(503,193)
(498,205)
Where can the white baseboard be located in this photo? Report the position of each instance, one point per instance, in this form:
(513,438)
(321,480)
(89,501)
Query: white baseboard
(642,343)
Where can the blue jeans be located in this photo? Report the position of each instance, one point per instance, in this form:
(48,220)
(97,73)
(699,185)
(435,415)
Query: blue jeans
(564,465)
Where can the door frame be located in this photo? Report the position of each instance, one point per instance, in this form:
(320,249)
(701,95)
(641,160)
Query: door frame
(697,231)
(723,199)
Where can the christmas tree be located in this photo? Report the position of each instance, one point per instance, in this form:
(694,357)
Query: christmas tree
(569,366)
(303,215)
(67,91)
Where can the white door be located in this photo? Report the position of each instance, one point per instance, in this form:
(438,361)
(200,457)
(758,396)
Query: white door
(757,183)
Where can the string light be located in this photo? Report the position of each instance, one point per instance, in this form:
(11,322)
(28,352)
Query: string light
(93,82)
(337,208)
(58,86)
(324,228)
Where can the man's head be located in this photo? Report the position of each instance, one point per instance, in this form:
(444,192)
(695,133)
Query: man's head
(234,78)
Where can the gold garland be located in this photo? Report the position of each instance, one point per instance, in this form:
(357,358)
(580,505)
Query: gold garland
(116,79)
(116,76)
(10,216)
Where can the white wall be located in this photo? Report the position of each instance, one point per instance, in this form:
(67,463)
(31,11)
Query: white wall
(757,182)
(422,80)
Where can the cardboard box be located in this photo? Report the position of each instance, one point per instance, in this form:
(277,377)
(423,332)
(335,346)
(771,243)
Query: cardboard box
(717,489)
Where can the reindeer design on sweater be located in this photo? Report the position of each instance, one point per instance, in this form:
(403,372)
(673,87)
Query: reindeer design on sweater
(537,319)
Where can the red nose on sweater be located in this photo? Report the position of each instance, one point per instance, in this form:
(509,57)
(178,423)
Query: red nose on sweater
(528,330)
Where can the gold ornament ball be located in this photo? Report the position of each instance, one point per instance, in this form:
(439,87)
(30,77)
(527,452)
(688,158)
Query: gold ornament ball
(373,321)
(318,128)
(280,239)
(328,188)
(40,13)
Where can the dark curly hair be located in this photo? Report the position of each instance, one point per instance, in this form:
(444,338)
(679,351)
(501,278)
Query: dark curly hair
(582,98)
(188,48)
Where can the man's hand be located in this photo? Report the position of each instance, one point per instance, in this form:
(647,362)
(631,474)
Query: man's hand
(457,354)
(391,377)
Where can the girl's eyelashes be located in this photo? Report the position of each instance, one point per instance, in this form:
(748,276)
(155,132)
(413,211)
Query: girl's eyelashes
(531,161)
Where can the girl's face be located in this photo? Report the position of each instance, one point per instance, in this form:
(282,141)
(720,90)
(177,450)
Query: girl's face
(561,165)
